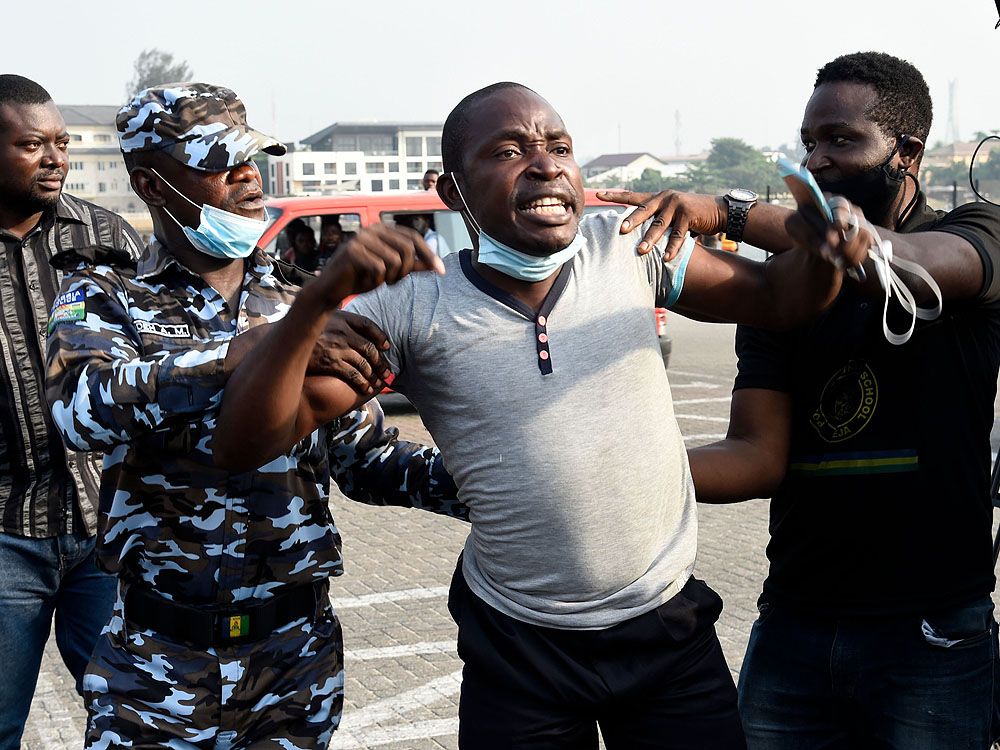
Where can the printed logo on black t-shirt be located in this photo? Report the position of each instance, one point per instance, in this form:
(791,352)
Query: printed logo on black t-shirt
(847,403)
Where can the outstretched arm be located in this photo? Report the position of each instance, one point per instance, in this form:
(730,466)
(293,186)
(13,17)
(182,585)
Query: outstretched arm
(786,291)
(696,213)
(253,430)
(946,253)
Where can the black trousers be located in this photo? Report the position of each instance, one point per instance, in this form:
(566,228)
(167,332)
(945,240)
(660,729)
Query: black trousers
(659,680)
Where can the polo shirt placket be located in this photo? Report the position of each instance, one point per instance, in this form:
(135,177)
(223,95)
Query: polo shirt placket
(540,319)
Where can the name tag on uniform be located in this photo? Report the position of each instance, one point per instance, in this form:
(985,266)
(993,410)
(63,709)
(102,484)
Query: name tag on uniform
(68,307)
(177,331)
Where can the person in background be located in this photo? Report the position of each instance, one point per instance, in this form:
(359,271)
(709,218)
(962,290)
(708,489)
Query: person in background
(429,180)
(304,252)
(423,224)
(331,234)
(48,495)
(286,241)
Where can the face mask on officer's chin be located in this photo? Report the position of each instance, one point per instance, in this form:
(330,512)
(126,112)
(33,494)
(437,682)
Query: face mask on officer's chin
(220,234)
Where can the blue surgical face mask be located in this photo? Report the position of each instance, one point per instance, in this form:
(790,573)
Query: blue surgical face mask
(220,234)
(521,266)
(514,263)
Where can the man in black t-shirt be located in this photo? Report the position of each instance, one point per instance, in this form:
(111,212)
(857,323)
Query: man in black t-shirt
(876,624)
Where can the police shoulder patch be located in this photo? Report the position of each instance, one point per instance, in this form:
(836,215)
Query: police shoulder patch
(68,307)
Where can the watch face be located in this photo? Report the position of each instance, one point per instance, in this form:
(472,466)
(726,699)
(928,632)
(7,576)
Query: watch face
(742,194)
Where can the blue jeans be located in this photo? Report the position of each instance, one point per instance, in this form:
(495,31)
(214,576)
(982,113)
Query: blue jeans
(907,683)
(39,578)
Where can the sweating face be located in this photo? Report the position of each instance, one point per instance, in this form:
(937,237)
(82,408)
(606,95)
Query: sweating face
(33,162)
(519,175)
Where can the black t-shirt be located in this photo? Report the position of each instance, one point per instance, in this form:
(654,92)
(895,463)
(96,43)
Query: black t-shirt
(885,508)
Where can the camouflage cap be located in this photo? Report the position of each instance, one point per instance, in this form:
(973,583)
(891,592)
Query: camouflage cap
(200,125)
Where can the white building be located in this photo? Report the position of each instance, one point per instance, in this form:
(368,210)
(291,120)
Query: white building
(620,168)
(680,163)
(96,170)
(371,157)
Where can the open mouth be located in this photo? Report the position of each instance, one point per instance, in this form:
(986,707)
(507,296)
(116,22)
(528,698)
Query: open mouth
(547,206)
(251,202)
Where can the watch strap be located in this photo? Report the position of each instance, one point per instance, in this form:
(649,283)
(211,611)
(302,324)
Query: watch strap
(737,212)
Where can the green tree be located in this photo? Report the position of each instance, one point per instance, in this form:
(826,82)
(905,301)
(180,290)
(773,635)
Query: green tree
(986,173)
(733,163)
(945,175)
(652,181)
(730,163)
(154,66)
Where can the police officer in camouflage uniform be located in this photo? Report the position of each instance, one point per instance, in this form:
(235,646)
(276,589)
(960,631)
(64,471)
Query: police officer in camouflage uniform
(222,635)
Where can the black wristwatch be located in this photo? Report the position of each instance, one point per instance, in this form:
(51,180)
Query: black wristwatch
(739,201)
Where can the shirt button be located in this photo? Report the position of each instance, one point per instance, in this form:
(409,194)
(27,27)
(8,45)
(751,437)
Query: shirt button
(541,320)
(32,286)
(543,338)
(543,355)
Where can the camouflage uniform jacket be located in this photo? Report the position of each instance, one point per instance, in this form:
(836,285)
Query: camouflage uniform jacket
(135,370)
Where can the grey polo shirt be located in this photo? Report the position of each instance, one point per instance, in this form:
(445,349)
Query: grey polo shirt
(558,428)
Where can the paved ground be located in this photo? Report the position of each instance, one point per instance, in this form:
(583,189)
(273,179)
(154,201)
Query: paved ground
(403,672)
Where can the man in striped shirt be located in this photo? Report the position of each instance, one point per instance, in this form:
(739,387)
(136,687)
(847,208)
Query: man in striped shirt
(47,494)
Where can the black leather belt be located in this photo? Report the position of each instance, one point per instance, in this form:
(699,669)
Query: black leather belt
(204,627)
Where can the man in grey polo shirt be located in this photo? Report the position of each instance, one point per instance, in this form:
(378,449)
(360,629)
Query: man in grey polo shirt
(537,371)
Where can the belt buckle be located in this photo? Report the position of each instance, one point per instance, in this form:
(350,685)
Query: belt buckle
(233,627)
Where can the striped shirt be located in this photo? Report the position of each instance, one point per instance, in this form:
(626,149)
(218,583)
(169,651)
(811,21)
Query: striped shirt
(45,491)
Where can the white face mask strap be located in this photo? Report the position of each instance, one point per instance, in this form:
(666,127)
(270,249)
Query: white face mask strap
(173,217)
(882,257)
(167,183)
(468,212)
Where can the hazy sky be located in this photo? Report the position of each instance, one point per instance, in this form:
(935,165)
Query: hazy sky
(616,71)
